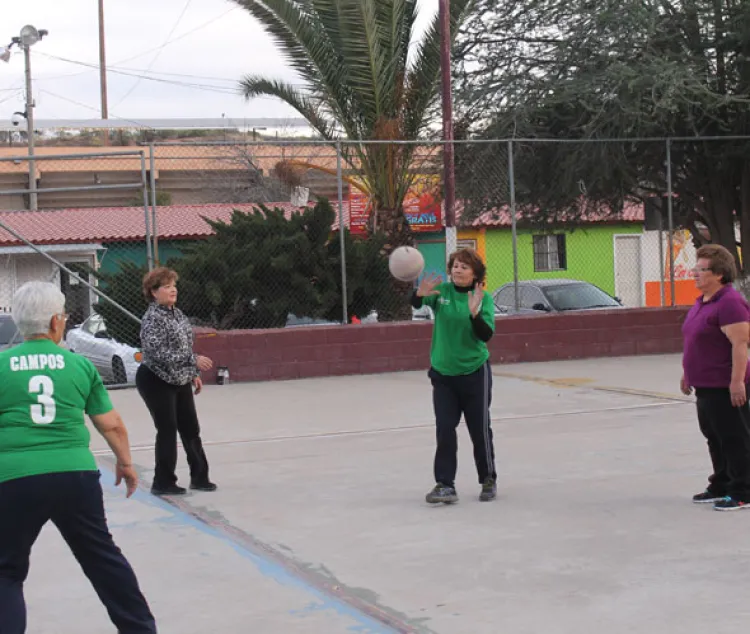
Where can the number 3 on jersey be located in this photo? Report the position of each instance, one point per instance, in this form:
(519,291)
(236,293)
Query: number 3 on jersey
(44,412)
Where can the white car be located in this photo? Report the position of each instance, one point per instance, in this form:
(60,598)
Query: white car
(117,362)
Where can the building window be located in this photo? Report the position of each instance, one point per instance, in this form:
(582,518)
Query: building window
(466,243)
(549,253)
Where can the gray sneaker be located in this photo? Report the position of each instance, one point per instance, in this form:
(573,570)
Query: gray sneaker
(489,490)
(442,494)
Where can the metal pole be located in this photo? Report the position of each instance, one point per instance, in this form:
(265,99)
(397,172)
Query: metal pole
(103,71)
(514,234)
(152,175)
(149,255)
(670,222)
(342,241)
(58,190)
(33,203)
(449,164)
(661,258)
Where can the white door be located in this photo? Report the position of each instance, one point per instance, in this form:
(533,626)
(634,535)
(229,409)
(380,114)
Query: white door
(628,273)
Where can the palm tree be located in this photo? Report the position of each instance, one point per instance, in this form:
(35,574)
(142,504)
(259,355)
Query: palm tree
(365,80)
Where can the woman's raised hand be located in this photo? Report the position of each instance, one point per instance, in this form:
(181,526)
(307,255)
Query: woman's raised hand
(428,286)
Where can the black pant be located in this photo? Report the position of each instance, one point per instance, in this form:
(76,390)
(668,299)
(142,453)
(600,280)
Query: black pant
(727,430)
(470,395)
(173,409)
(74,503)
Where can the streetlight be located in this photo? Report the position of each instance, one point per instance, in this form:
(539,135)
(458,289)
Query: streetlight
(28,37)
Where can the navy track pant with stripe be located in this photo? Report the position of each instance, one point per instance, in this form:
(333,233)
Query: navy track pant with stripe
(470,395)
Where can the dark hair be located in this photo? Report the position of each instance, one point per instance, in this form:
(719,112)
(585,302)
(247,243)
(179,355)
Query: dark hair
(157,278)
(471,258)
(722,261)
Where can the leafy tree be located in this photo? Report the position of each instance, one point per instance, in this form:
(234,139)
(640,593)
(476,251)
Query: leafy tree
(368,282)
(261,266)
(256,270)
(578,69)
(124,287)
(365,79)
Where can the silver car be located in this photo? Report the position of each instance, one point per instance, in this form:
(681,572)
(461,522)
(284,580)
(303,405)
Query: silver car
(9,335)
(117,362)
(552,296)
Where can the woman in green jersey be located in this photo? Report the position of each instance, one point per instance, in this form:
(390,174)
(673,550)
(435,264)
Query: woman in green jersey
(460,370)
(47,470)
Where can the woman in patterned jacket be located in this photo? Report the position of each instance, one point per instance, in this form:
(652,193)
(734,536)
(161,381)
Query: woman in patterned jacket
(165,380)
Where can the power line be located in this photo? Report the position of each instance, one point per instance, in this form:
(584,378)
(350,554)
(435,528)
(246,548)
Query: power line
(220,89)
(151,50)
(9,97)
(83,105)
(179,37)
(139,72)
(158,53)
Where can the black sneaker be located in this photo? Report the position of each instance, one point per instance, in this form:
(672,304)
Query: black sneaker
(489,490)
(172,489)
(729,504)
(442,494)
(203,486)
(707,497)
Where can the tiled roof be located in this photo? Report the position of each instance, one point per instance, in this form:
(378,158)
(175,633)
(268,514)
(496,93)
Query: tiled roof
(632,212)
(112,224)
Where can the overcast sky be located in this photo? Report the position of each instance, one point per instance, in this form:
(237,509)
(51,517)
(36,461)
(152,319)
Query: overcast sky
(214,40)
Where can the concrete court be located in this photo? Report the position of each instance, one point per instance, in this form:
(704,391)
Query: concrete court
(320,524)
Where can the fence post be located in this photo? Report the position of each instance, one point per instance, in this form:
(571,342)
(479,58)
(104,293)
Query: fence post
(152,176)
(661,259)
(144,189)
(342,241)
(670,222)
(514,234)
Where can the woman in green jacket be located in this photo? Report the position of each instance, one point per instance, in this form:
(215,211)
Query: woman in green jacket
(460,370)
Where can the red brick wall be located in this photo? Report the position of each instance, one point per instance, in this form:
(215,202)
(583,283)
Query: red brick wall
(292,353)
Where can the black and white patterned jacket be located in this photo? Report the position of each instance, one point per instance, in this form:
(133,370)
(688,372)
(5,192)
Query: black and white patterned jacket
(167,344)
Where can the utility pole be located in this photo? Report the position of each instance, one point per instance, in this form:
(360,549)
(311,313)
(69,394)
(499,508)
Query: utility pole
(33,203)
(103,71)
(29,36)
(449,165)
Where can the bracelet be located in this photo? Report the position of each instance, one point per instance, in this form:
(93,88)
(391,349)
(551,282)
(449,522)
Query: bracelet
(121,464)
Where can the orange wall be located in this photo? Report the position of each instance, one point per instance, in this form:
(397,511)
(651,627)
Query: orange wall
(684,293)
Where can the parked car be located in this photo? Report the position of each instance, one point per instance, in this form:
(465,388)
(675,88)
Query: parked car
(9,335)
(553,296)
(117,362)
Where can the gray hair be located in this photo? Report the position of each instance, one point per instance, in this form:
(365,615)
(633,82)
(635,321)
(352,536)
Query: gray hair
(34,305)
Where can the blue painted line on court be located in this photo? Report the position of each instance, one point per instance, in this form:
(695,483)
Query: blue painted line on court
(363,623)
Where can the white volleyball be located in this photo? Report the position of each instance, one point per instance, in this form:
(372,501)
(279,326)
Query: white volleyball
(406,264)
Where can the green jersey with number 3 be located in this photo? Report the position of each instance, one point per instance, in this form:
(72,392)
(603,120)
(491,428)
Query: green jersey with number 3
(45,392)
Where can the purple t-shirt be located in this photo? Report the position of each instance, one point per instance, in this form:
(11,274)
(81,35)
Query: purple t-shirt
(707,352)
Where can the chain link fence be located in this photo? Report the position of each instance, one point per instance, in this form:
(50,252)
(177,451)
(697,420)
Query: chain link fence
(77,220)
(255,229)
(282,261)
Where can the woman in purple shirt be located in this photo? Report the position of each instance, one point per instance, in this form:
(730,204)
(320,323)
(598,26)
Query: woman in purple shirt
(715,363)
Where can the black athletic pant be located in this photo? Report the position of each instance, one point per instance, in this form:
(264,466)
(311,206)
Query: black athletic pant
(470,395)
(727,430)
(74,503)
(173,409)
